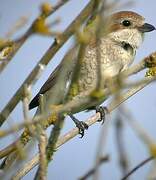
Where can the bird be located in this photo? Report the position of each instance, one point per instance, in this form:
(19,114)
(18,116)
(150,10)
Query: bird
(117,50)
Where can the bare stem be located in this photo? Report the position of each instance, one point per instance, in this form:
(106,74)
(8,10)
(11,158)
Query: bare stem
(92,171)
(137,167)
(123,158)
(31,79)
(17,44)
(74,132)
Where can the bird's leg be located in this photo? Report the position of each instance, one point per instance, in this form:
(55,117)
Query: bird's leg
(103,111)
(79,124)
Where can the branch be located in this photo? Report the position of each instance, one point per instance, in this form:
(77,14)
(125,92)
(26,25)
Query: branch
(123,158)
(55,132)
(75,131)
(152,172)
(42,171)
(99,151)
(46,10)
(140,131)
(146,62)
(137,167)
(92,171)
(133,90)
(73,105)
(31,79)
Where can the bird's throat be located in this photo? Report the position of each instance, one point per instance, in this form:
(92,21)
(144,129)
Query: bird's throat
(131,37)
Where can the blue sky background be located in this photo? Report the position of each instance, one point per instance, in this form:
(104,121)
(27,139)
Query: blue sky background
(76,157)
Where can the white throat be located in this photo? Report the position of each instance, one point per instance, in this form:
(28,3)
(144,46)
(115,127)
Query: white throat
(131,36)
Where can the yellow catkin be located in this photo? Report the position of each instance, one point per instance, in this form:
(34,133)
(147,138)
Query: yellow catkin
(6,52)
(46,8)
(53,118)
(83,37)
(40,26)
(74,90)
(25,136)
(97,94)
(151,72)
(153,150)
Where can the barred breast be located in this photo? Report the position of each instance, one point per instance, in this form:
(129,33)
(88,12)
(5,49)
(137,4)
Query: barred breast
(113,59)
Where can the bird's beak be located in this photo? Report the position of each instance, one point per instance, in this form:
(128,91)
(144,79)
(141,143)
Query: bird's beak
(146,28)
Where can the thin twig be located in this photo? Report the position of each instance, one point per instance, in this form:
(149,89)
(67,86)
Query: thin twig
(123,158)
(137,167)
(152,172)
(51,147)
(20,126)
(18,25)
(100,146)
(42,171)
(57,6)
(147,62)
(57,126)
(67,65)
(144,136)
(30,80)
(25,103)
(92,171)
(137,127)
(132,70)
(75,131)
(55,133)
(86,100)
(62,140)
(17,44)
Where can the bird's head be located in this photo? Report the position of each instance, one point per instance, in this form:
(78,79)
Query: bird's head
(128,27)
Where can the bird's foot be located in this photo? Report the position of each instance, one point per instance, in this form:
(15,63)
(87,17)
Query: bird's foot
(103,111)
(82,126)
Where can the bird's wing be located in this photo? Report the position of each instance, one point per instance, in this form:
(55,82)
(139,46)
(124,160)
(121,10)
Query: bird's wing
(46,86)
(72,54)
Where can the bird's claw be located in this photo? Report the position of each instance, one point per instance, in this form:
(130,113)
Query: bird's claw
(82,126)
(103,111)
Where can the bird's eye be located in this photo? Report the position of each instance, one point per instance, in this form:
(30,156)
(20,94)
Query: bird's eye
(126,23)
